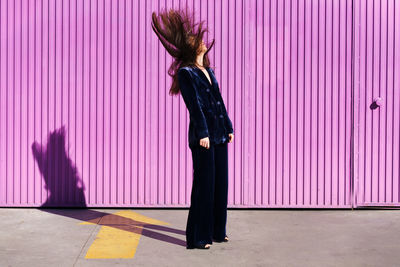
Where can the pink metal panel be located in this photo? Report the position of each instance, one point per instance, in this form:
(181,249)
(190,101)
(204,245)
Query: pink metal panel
(298,84)
(377,72)
(85,117)
(285,72)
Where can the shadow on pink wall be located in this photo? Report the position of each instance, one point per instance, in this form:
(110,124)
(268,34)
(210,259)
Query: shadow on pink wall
(63,185)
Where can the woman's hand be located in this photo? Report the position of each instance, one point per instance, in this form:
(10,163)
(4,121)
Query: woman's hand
(230,138)
(205,142)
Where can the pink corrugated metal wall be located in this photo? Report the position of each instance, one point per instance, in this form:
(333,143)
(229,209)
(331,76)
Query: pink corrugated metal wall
(85,117)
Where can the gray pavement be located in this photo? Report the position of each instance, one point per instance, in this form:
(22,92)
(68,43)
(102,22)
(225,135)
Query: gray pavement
(258,237)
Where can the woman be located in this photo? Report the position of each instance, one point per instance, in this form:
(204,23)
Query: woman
(210,128)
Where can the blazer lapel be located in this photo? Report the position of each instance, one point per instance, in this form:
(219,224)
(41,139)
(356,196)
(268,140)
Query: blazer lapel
(215,85)
(202,77)
(214,80)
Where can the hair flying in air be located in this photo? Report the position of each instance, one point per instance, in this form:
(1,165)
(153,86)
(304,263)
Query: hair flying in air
(182,38)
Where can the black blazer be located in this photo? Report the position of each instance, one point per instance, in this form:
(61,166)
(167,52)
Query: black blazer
(208,116)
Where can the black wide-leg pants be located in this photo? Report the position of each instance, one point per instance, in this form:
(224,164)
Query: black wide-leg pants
(208,210)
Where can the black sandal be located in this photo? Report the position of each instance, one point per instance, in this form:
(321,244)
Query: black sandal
(200,246)
(219,241)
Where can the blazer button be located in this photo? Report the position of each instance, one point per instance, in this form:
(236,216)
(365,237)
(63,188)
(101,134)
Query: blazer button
(208,90)
(221,116)
(218,102)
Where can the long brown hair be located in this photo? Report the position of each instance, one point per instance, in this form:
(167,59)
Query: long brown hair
(181,38)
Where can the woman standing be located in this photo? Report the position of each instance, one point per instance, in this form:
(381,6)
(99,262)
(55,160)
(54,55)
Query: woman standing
(210,128)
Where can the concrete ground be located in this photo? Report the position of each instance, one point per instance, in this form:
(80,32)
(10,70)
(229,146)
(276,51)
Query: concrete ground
(156,237)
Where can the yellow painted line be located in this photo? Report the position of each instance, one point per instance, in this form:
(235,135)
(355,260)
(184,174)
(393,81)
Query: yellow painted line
(119,235)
